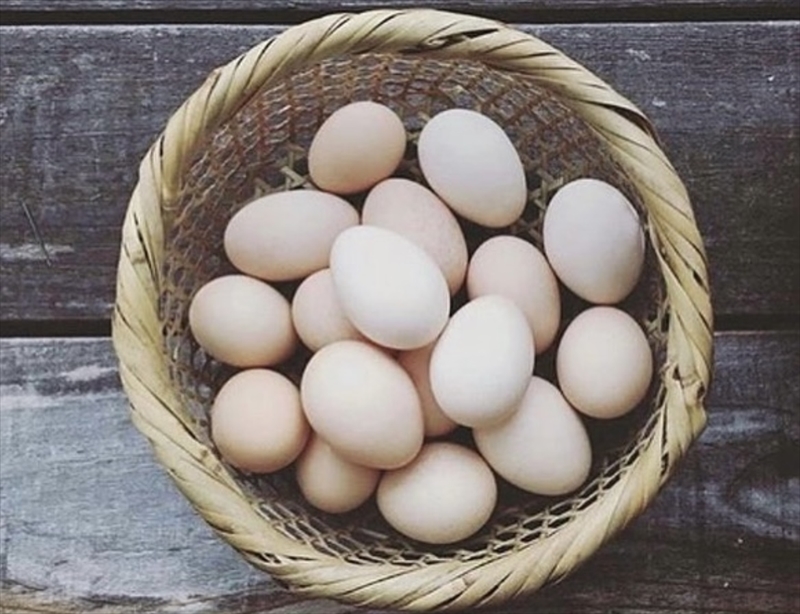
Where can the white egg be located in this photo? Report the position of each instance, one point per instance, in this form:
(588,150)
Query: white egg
(482,362)
(389,288)
(286,235)
(604,363)
(472,165)
(444,495)
(417,364)
(317,314)
(362,403)
(331,483)
(543,447)
(514,268)
(594,241)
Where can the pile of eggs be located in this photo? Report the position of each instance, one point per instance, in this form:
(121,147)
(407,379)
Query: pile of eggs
(393,371)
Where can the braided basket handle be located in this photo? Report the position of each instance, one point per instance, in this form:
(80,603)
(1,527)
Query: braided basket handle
(672,230)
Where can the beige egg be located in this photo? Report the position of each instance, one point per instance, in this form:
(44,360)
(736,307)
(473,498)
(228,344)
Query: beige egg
(483,361)
(472,165)
(389,288)
(417,365)
(594,240)
(317,314)
(362,403)
(543,447)
(604,363)
(356,147)
(514,268)
(331,483)
(242,321)
(257,422)
(416,213)
(445,495)
(287,235)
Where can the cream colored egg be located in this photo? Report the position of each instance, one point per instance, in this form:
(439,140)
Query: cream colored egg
(543,447)
(604,363)
(317,314)
(417,365)
(356,147)
(445,495)
(361,402)
(286,235)
(472,165)
(242,321)
(331,483)
(514,268)
(257,422)
(594,241)
(389,288)
(416,213)
(483,361)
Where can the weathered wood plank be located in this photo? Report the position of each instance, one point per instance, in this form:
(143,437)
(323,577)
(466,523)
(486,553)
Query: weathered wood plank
(90,523)
(493,7)
(80,105)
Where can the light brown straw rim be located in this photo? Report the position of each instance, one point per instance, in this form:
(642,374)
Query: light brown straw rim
(155,404)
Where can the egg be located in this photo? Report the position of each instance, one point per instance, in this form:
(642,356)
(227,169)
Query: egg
(604,363)
(242,321)
(543,447)
(362,403)
(331,483)
(481,364)
(594,241)
(416,213)
(356,147)
(472,165)
(417,365)
(257,422)
(445,495)
(389,288)
(516,269)
(286,235)
(317,315)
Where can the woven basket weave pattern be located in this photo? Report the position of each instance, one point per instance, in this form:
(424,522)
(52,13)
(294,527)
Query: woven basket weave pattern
(245,132)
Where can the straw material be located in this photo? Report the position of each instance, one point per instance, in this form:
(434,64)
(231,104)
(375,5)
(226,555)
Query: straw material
(244,132)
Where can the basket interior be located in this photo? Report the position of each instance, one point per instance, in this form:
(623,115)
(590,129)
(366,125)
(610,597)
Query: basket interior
(262,149)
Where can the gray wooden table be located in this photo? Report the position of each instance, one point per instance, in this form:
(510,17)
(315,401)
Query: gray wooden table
(89,521)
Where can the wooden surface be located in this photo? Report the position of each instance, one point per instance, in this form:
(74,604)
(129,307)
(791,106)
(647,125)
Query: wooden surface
(88,514)
(733,140)
(88,520)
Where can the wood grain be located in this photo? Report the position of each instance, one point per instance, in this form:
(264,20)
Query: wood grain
(90,523)
(301,6)
(80,105)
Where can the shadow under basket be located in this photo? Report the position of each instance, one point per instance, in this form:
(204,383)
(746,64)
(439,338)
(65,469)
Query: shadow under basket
(245,133)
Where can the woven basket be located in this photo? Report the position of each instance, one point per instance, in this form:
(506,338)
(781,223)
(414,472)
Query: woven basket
(244,132)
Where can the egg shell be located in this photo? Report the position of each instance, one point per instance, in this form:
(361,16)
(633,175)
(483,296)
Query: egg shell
(257,422)
(331,483)
(242,321)
(286,235)
(389,288)
(483,361)
(472,165)
(604,363)
(416,213)
(445,495)
(317,315)
(417,365)
(362,403)
(516,269)
(356,147)
(543,447)
(594,241)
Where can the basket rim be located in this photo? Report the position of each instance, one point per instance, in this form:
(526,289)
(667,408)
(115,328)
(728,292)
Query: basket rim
(216,495)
